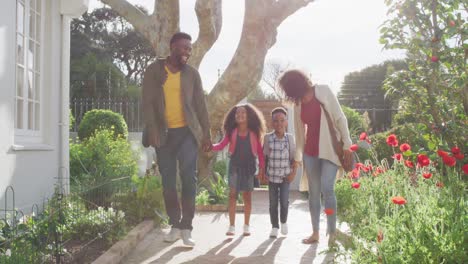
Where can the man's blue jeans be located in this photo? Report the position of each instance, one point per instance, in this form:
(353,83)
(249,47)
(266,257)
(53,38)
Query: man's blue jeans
(321,176)
(281,190)
(180,146)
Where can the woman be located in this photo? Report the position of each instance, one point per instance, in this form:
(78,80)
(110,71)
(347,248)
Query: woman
(314,145)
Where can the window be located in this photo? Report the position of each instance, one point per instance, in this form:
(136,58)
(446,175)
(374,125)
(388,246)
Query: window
(29,31)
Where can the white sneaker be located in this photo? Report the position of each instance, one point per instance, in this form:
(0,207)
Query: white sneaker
(284,229)
(274,232)
(231,231)
(187,238)
(173,235)
(246,230)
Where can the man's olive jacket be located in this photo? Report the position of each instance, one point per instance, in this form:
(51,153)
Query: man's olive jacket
(193,101)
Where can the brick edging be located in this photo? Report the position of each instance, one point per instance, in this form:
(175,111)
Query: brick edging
(120,249)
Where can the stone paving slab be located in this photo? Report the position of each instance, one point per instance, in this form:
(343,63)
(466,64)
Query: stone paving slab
(213,246)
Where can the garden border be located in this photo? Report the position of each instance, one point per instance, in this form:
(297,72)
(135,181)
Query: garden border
(120,249)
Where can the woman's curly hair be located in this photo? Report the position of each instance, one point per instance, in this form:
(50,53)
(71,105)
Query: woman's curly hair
(294,84)
(255,120)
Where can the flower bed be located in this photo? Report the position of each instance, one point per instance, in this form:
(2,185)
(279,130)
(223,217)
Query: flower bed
(412,212)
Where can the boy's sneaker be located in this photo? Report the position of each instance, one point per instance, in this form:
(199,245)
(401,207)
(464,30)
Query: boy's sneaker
(173,235)
(274,232)
(231,231)
(246,230)
(187,238)
(284,229)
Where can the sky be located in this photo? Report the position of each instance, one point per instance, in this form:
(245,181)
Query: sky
(327,39)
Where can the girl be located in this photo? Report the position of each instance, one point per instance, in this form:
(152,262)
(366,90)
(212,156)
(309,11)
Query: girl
(314,106)
(243,127)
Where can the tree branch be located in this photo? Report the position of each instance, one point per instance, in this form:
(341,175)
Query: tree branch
(282,9)
(209,14)
(131,13)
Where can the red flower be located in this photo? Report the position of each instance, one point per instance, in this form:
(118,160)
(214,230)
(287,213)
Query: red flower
(355,185)
(427,175)
(380,236)
(423,160)
(409,164)
(363,136)
(358,165)
(434,58)
(397,156)
(440,184)
(449,161)
(465,168)
(378,171)
(398,200)
(355,173)
(442,153)
(455,150)
(405,147)
(459,156)
(392,140)
(354,147)
(329,211)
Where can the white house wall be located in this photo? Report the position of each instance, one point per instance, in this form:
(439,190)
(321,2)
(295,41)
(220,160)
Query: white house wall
(32,173)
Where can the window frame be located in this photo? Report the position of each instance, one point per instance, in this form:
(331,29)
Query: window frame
(29,131)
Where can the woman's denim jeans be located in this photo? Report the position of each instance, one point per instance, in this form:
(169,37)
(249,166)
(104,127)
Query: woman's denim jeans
(321,176)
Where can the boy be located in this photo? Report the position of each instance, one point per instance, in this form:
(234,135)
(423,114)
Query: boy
(279,148)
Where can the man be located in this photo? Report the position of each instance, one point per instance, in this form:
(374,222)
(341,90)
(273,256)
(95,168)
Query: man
(176,122)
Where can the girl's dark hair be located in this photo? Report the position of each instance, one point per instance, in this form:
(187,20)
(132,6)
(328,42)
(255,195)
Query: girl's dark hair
(255,120)
(294,84)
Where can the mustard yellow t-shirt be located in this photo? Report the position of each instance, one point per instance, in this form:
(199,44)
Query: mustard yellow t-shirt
(172,95)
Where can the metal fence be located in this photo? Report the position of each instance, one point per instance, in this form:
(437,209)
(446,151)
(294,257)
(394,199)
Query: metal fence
(130,109)
(72,228)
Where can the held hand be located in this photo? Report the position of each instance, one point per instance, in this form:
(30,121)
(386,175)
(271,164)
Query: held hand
(296,164)
(153,138)
(348,156)
(290,177)
(206,145)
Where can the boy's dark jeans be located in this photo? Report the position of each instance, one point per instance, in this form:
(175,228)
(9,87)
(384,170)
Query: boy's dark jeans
(281,191)
(180,146)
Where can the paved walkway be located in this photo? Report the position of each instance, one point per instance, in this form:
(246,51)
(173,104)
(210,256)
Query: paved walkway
(214,247)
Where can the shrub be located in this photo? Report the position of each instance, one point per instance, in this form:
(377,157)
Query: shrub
(146,202)
(220,167)
(72,120)
(203,197)
(98,119)
(97,161)
(356,122)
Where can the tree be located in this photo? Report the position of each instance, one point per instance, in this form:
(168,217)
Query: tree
(434,88)
(108,35)
(261,20)
(271,73)
(363,90)
(94,77)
